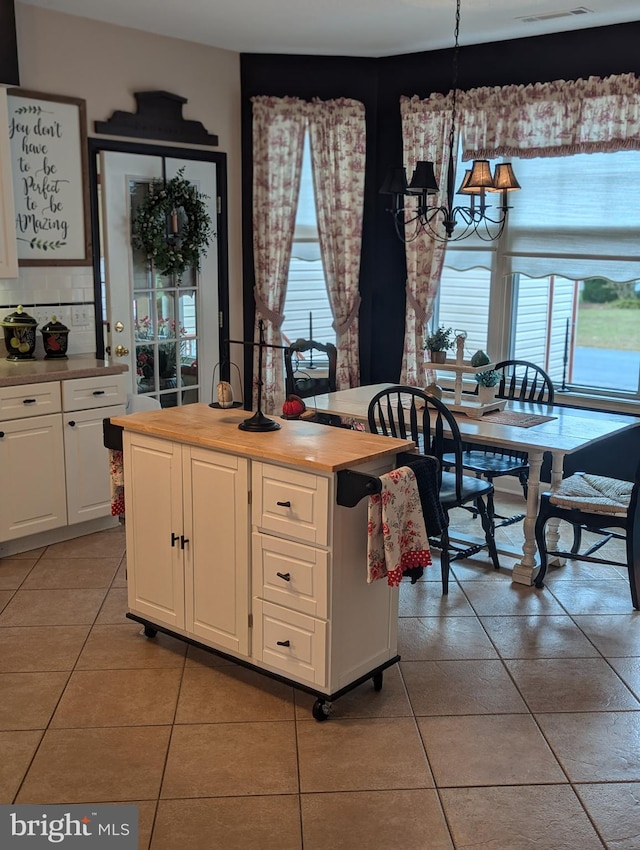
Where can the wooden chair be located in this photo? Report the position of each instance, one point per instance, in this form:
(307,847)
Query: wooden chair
(410,413)
(300,379)
(598,504)
(520,381)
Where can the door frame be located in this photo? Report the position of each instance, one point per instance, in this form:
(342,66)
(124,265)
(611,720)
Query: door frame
(96,146)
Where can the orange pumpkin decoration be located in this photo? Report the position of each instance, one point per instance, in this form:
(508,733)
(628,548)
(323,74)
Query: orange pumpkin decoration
(293,407)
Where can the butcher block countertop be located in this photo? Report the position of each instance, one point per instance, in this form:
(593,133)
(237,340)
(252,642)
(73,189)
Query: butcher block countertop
(297,443)
(14,372)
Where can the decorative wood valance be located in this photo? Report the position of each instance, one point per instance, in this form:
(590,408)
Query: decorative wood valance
(158,116)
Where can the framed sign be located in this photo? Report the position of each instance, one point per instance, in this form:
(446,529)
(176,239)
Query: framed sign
(48,139)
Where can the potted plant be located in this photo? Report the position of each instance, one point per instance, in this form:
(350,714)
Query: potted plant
(438,343)
(487,383)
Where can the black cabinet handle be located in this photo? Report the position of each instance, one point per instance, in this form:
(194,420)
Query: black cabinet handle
(28,401)
(98,392)
(283,643)
(284,576)
(183,540)
(1,434)
(174,538)
(284,504)
(72,423)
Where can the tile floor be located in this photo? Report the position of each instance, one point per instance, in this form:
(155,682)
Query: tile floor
(511,723)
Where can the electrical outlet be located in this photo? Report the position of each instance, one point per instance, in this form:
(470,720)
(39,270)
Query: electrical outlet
(41,314)
(80,316)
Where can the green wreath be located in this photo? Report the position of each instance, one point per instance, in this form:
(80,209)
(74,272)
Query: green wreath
(172,206)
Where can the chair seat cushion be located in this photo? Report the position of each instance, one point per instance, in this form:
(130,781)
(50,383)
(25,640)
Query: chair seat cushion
(471,488)
(488,462)
(593,493)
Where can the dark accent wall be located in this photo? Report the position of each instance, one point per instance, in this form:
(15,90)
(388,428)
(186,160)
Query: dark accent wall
(9,74)
(379,83)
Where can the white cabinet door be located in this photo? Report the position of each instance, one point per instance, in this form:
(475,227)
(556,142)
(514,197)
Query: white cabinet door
(153,504)
(33,476)
(8,246)
(216,524)
(87,464)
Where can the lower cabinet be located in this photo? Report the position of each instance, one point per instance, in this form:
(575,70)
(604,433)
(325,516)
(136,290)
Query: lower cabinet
(54,464)
(188,540)
(33,482)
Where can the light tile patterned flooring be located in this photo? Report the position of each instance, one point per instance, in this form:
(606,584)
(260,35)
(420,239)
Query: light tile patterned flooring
(511,723)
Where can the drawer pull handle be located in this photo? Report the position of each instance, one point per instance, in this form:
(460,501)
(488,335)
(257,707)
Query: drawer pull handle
(28,401)
(1,434)
(98,392)
(174,538)
(183,540)
(283,643)
(72,423)
(284,504)
(284,576)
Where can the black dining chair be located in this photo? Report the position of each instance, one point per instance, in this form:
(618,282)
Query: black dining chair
(520,380)
(300,377)
(411,414)
(597,504)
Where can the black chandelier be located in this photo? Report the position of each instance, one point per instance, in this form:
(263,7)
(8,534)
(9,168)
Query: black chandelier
(478,217)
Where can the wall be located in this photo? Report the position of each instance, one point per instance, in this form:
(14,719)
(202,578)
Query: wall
(104,65)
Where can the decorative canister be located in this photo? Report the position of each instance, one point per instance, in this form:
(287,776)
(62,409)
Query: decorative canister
(55,338)
(20,335)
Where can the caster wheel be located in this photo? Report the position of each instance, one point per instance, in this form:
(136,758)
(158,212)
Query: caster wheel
(150,632)
(377,681)
(321,710)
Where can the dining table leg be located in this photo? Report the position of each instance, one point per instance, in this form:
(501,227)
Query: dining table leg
(552,530)
(524,571)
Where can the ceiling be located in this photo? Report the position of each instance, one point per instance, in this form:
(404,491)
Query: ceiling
(371,28)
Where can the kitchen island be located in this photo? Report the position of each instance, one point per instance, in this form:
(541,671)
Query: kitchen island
(243,543)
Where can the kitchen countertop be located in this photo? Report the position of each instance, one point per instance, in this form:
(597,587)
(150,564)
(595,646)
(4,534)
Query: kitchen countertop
(15,372)
(297,443)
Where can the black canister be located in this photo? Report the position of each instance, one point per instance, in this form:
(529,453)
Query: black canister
(55,338)
(20,335)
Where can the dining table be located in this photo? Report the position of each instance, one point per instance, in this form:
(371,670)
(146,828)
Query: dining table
(532,427)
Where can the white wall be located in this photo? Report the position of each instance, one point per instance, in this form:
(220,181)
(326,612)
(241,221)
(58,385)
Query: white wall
(104,65)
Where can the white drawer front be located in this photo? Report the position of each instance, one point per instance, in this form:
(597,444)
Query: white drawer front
(99,391)
(291,503)
(291,574)
(290,643)
(20,401)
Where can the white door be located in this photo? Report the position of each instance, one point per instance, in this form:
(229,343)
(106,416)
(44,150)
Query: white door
(164,329)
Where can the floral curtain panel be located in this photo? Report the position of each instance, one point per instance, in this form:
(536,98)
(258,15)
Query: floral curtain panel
(425,133)
(278,136)
(338,139)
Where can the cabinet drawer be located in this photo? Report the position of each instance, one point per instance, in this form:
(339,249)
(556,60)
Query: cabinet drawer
(294,504)
(290,643)
(23,400)
(291,574)
(99,391)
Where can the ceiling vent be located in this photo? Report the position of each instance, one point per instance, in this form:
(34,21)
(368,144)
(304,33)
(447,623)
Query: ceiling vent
(549,16)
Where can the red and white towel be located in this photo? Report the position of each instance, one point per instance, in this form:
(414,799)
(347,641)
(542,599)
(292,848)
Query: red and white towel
(116,470)
(397,537)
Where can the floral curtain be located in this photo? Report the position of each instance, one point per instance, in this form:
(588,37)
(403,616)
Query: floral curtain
(551,119)
(278,137)
(425,133)
(338,138)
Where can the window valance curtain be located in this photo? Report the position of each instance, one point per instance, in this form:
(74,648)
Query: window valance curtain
(559,118)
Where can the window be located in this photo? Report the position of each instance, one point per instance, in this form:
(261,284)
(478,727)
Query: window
(562,287)
(306,308)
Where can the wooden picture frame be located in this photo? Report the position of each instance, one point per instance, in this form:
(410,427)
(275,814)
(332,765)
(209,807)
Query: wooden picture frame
(48,140)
